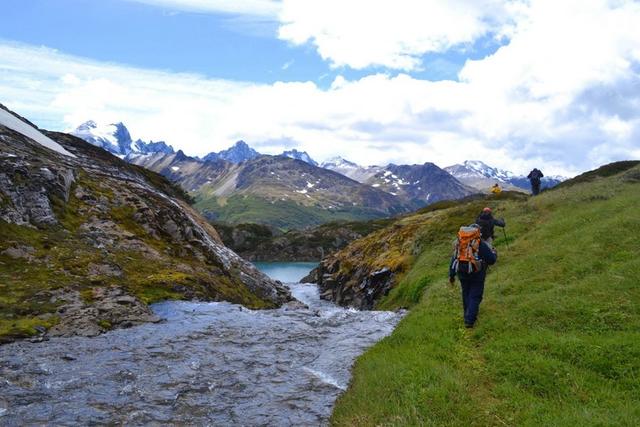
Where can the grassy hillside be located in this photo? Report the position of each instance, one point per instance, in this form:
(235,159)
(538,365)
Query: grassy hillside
(558,337)
(274,190)
(282,214)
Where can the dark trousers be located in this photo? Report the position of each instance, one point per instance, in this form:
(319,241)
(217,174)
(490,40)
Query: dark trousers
(471,299)
(535,187)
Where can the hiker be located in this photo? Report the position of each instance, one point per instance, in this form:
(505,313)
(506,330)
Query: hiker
(487,222)
(534,176)
(471,273)
(496,190)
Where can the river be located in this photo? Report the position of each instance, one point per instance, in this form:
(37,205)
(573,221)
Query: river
(206,364)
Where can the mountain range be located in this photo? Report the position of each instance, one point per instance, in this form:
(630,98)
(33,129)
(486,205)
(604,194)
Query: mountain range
(116,139)
(481,176)
(274,190)
(292,190)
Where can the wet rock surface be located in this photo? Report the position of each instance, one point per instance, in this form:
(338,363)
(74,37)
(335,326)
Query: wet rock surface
(360,290)
(207,364)
(107,308)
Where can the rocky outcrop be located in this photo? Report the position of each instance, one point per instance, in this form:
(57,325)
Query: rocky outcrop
(257,242)
(121,236)
(101,310)
(360,290)
(367,269)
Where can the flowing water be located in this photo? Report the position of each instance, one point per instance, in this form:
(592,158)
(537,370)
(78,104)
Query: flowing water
(207,364)
(286,272)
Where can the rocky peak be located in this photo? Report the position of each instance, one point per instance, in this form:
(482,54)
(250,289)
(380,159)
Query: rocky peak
(338,161)
(141,147)
(86,126)
(180,156)
(116,139)
(211,157)
(113,137)
(300,155)
(238,153)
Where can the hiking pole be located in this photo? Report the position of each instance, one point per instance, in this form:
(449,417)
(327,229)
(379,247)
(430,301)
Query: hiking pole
(505,237)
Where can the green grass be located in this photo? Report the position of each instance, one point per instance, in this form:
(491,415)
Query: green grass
(284,215)
(558,337)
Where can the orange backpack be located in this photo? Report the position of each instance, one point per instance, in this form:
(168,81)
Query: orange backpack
(467,250)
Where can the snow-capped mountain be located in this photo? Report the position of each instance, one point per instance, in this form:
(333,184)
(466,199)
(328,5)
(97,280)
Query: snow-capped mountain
(477,168)
(481,176)
(350,169)
(116,139)
(421,184)
(300,155)
(240,152)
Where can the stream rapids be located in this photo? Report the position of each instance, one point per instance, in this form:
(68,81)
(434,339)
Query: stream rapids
(206,364)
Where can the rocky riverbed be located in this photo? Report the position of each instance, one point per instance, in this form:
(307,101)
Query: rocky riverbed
(206,363)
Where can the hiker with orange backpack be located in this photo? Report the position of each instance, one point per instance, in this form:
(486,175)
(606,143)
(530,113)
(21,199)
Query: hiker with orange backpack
(472,257)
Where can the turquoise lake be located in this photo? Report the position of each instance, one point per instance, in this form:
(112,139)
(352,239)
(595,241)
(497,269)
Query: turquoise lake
(286,272)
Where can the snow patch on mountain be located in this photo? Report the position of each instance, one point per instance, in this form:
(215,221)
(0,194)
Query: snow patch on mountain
(12,122)
(300,155)
(350,169)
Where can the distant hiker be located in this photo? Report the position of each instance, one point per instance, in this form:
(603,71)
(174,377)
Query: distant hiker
(496,190)
(535,176)
(487,222)
(471,258)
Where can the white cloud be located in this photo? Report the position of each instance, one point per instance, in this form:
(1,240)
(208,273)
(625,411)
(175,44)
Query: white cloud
(563,95)
(393,34)
(287,64)
(260,8)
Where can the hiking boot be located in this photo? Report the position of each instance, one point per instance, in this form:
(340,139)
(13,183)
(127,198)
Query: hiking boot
(468,325)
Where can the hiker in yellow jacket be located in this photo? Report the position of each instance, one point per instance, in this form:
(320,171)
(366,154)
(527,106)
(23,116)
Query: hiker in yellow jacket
(496,190)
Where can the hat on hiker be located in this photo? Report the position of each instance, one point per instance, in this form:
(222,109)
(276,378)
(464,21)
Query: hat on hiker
(486,210)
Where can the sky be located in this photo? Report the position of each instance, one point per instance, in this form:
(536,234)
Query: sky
(516,84)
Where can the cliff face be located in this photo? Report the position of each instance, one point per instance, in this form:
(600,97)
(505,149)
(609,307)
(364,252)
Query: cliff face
(86,234)
(366,270)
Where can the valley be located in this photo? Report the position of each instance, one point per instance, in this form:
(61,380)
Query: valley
(293,191)
(99,249)
(319,213)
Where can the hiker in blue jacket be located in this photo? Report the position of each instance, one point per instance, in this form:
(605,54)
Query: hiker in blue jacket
(473,283)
